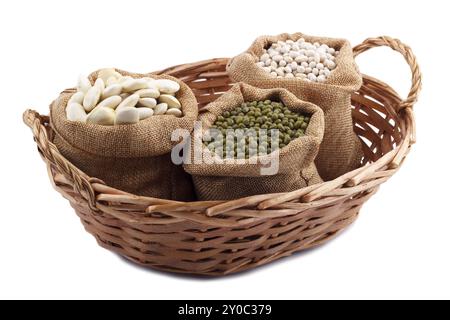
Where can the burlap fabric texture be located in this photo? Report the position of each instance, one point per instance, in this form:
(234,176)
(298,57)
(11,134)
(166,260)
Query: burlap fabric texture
(134,158)
(341,149)
(228,180)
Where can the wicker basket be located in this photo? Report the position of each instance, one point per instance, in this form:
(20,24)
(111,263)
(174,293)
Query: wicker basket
(223,237)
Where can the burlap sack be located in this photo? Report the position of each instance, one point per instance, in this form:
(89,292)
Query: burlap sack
(341,149)
(224,181)
(134,158)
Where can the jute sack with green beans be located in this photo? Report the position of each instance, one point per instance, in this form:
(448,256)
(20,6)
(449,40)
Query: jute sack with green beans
(135,158)
(227,175)
(316,69)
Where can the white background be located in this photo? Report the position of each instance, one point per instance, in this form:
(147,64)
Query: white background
(399,246)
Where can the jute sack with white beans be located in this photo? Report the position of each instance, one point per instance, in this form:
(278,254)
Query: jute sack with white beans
(135,158)
(341,149)
(217,180)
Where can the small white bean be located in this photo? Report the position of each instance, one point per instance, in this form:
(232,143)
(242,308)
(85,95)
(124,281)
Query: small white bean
(312,77)
(294,54)
(272,53)
(264,57)
(317,58)
(293,65)
(330,64)
(280,71)
(321,78)
(301,59)
(310,53)
(277,58)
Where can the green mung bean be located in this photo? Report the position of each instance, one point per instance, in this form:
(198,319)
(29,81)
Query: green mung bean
(250,118)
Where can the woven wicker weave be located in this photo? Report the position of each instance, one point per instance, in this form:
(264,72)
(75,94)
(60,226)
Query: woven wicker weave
(222,237)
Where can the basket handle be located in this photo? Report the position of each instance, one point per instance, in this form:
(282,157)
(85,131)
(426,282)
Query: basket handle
(82,184)
(410,58)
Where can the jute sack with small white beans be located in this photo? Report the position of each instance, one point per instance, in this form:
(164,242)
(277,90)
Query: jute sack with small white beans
(135,158)
(341,149)
(215,179)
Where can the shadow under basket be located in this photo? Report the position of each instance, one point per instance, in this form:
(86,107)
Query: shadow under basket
(223,237)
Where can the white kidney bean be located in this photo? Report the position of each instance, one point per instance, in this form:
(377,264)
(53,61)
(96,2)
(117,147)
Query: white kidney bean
(127,115)
(75,112)
(102,115)
(111,102)
(113,98)
(112,90)
(134,85)
(167,86)
(145,113)
(175,112)
(171,101)
(91,98)
(148,93)
(129,102)
(161,108)
(77,97)
(148,102)
(83,84)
